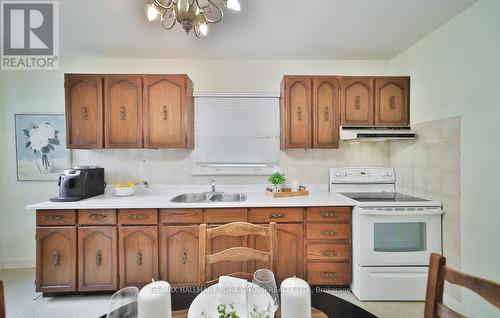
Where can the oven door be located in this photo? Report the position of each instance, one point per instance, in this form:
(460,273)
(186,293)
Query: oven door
(398,236)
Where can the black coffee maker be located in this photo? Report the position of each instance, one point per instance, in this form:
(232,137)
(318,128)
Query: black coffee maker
(80,183)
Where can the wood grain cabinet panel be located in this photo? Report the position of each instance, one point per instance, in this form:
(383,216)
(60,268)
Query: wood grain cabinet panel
(320,231)
(329,273)
(296,108)
(357,101)
(326,117)
(328,251)
(181,216)
(123,111)
(138,255)
(55,217)
(329,214)
(168,108)
(278,215)
(97,217)
(138,216)
(391,101)
(56,259)
(225,215)
(97,258)
(84,111)
(179,255)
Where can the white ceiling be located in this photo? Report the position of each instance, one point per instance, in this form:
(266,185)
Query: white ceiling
(264,29)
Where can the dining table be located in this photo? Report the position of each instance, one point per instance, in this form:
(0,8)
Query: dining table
(323,305)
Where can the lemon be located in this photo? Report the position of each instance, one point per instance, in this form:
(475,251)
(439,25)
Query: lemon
(130,184)
(119,185)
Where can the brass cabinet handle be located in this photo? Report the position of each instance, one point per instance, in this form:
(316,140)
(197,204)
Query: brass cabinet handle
(277,215)
(98,258)
(328,232)
(138,258)
(184,256)
(84,113)
(326,114)
(165,112)
(327,275)
(328,214)
(123,113)
(329,253)
(299,113)
(357,102)
(137,216)
(96,216)
(53,217)
(56,258)
(392,102)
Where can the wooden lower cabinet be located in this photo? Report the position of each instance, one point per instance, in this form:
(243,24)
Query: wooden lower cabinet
(138,255)
(56,259)
(97,258)
(179,254)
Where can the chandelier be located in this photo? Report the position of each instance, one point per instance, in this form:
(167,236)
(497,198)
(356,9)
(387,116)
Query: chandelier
(189,13)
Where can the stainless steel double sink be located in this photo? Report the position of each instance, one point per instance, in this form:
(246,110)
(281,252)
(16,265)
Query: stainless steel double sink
(209,197)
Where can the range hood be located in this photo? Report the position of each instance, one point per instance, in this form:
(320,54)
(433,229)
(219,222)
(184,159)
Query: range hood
(376,133)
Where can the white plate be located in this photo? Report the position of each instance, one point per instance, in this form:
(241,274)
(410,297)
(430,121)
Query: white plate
(206,302)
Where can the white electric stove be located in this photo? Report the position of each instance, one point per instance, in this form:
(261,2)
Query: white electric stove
(393,234)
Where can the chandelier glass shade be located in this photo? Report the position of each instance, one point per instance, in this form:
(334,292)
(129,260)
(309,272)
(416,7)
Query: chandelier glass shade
(188,13)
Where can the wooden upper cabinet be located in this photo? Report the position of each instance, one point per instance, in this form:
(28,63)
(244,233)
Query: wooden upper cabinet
(138,255)
(391,101)
(123,111)
(168,111)
(296,110)
(326,112)
(84,111)
(55,259)
(357,101)
(98,258)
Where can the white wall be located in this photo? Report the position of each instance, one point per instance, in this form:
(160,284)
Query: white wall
(455,71)
(43,92)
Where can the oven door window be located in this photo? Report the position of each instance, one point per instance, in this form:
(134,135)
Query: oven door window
(400,237)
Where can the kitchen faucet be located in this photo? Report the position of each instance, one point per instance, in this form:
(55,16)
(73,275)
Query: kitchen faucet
(212,184)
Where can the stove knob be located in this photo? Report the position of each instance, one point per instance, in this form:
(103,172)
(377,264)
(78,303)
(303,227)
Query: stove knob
(383,174)
(389,174)
(337,174)
(345,174)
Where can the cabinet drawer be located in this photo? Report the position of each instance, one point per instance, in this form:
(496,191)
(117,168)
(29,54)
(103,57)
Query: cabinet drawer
(329,273)
(225,215)
(328,231)
(97,217)
(279,215)
(138,216)
(328,251)
(329,214)
(181,216)
(55,217)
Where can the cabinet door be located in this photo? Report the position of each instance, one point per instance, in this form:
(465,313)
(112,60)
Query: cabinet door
(56,259)
(166,111)
(357,101)
(296,112)
(97,258)
(138,255)
(290,251)
(179,255)
(220,243)
(123,109)
(391,101)
(326,112)
(84,112)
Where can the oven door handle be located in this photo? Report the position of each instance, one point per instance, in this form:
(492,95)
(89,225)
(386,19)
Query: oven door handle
(402,213)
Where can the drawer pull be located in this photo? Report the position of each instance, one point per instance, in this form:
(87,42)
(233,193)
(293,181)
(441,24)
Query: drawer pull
(98,258)
(277,215)
(56,258)
(328,214)
(328,275)
(137,216)
(328,232)
(138,259)
(97,217)
(184,256)
(54,217)
(329,253)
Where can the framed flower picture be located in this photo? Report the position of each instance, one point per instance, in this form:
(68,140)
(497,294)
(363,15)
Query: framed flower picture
(41,147)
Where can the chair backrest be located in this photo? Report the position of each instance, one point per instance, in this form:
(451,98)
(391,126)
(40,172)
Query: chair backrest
(235,254)
(2,301)
(439,273)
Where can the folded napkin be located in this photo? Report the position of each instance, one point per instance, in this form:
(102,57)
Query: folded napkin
(232,290)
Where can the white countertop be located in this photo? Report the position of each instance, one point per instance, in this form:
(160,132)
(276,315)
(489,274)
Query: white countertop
(159,197)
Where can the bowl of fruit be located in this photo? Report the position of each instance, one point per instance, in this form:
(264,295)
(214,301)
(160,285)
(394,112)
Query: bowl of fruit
(125,189)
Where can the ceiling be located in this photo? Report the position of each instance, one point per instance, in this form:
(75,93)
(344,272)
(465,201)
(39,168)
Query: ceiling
(263,29)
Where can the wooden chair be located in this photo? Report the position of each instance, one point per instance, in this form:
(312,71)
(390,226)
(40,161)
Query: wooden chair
(235,254)
(439,273)
(2,301)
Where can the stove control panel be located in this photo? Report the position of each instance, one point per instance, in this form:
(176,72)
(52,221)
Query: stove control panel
(359,175)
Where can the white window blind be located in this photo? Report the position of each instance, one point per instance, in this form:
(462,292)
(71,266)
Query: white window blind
(236,135)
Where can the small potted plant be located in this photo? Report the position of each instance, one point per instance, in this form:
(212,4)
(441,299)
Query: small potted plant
(277,180)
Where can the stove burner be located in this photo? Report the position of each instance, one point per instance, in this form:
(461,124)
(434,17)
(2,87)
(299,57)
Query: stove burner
(382,197)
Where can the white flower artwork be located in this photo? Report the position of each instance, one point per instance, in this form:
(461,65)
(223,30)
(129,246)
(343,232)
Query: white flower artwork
(41,147)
